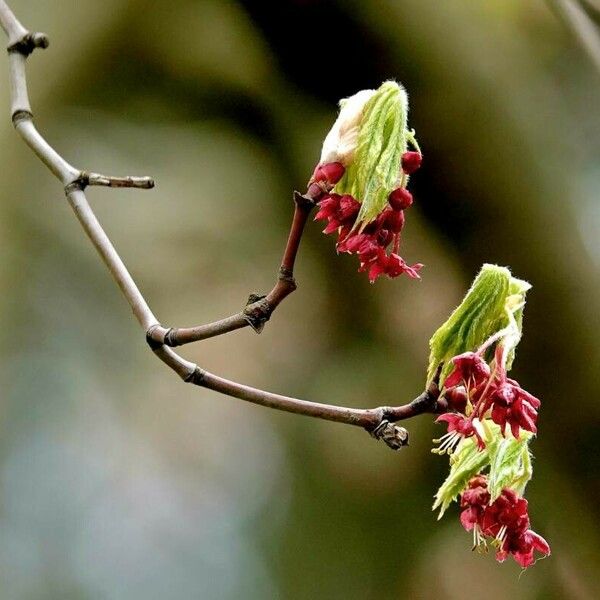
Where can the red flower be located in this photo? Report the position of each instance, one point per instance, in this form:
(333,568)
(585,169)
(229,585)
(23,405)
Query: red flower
(506,519)
(522,547)
(411,161)
(507,513)
(457,398)
(514,406)
(372,242)
(328,206)
(392,265)
(339,211)
(459,427)
(397,266)
(474,501)
(469,369)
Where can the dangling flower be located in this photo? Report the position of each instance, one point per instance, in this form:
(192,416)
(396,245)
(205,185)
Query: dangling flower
(459,427)
(365,163)
(469,370)
(339,211)
(522,546)
(473,502)
(509,403)
(513,406)
(505,521)
(507,513)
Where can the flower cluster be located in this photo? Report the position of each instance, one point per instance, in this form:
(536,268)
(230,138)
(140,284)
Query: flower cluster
(475,391)
(505,521)
(369,241)
(360,180)
(490,419)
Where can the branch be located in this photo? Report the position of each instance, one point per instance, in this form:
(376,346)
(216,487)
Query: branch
(377,421)
(259,309)
(580,23)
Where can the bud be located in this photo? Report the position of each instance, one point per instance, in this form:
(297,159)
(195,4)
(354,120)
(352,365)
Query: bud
(341,141)
(368,139)
(411,161)
(457,398)
(329,172)
(400,199)
(361,159)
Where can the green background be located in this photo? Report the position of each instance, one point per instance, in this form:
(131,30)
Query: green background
(116,480)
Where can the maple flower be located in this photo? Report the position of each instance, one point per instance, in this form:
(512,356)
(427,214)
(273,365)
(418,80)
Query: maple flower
(510,404)
(522,546)
(360,180)
(469,370)
(505,520)
(459,427)
(474,501)
(507,513)
(513,406)
(338,211)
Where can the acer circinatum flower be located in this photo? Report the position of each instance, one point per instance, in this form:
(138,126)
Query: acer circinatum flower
(470,370)
(365,165)
(504,520)
(459,426)
(513,406)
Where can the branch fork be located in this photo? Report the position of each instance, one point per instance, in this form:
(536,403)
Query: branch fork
(379,422)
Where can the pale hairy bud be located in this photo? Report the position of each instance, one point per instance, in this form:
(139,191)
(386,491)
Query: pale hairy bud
(342,139)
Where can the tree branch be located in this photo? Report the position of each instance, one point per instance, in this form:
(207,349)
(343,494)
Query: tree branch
(580,23)
(377,421)
(259,309)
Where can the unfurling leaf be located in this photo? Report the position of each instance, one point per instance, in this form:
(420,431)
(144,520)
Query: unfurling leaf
(493,303)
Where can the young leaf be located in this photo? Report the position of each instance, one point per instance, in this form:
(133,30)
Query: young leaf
(466,462)
(510,465)
(382,140)
(493,303)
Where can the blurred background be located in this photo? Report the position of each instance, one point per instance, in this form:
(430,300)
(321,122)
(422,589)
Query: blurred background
(116,480)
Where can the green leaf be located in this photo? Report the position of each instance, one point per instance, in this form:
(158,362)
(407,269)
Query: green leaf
(493,303)
(510,465)
(382,139)
(466,462)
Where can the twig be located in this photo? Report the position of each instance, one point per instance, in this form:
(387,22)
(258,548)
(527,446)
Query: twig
(581,25)
(377,421)
(259,309)
(593,6)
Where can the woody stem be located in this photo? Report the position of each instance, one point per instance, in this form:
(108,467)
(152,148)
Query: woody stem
(259,308)
(376,420)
